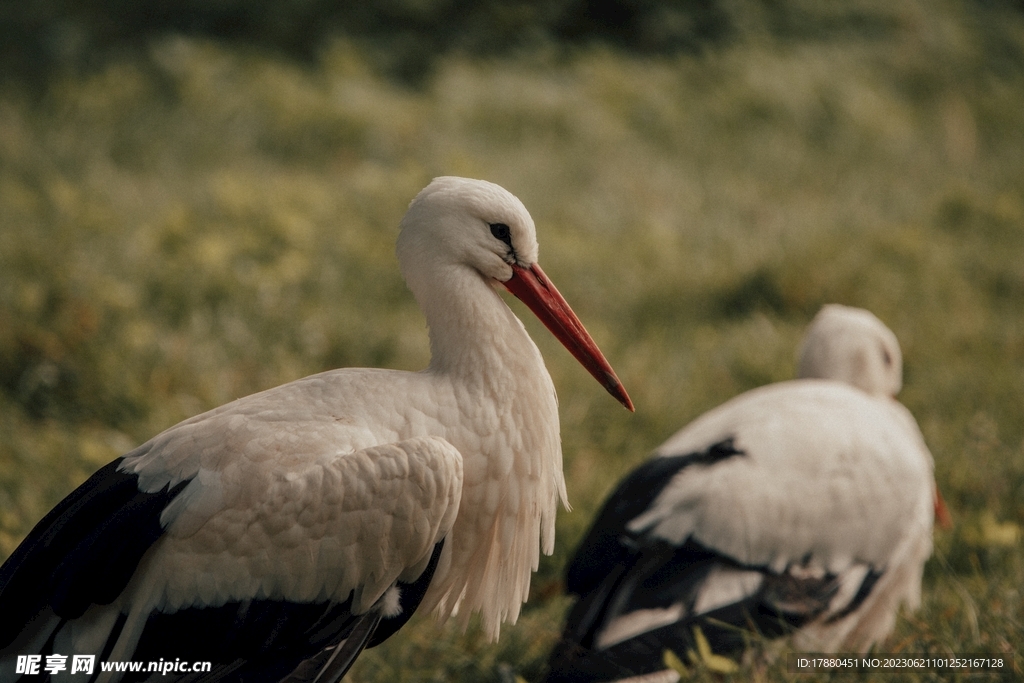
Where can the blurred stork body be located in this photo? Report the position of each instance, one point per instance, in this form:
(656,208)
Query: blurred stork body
(279,534)
(803,507)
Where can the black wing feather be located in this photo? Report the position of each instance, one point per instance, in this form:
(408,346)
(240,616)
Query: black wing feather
(83,551)
(641,573)
(602,548)
(616,572)
(262,641)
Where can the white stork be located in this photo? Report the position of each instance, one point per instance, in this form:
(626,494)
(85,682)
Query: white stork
(801,507)
(279,534)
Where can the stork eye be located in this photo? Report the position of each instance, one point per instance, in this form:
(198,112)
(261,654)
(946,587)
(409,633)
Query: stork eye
(502,232)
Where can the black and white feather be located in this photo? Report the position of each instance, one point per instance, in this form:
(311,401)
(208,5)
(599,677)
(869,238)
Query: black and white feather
(137,567)
(804,508)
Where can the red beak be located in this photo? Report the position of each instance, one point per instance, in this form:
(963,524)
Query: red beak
(533,288)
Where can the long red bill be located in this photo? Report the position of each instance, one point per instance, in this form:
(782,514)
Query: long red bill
(533,288)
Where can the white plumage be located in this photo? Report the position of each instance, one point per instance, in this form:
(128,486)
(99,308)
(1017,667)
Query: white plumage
(269,530)
(804,506)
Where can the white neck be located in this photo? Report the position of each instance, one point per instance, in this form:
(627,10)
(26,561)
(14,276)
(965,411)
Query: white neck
(508,435)
(472,331)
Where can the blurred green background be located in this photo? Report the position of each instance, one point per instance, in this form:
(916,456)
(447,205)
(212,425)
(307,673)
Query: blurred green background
(200,200)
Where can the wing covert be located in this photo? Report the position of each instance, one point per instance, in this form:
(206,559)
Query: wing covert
(324,526)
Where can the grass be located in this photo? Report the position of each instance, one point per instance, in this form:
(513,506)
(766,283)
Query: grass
(203,222)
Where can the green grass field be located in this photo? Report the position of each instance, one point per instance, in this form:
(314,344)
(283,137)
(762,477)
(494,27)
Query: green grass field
(201,222)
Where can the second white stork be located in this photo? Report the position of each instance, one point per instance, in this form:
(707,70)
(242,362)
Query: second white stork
(803,507)
(279,534)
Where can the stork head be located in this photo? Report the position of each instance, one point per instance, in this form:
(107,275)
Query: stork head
(853,346)
(459,222)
